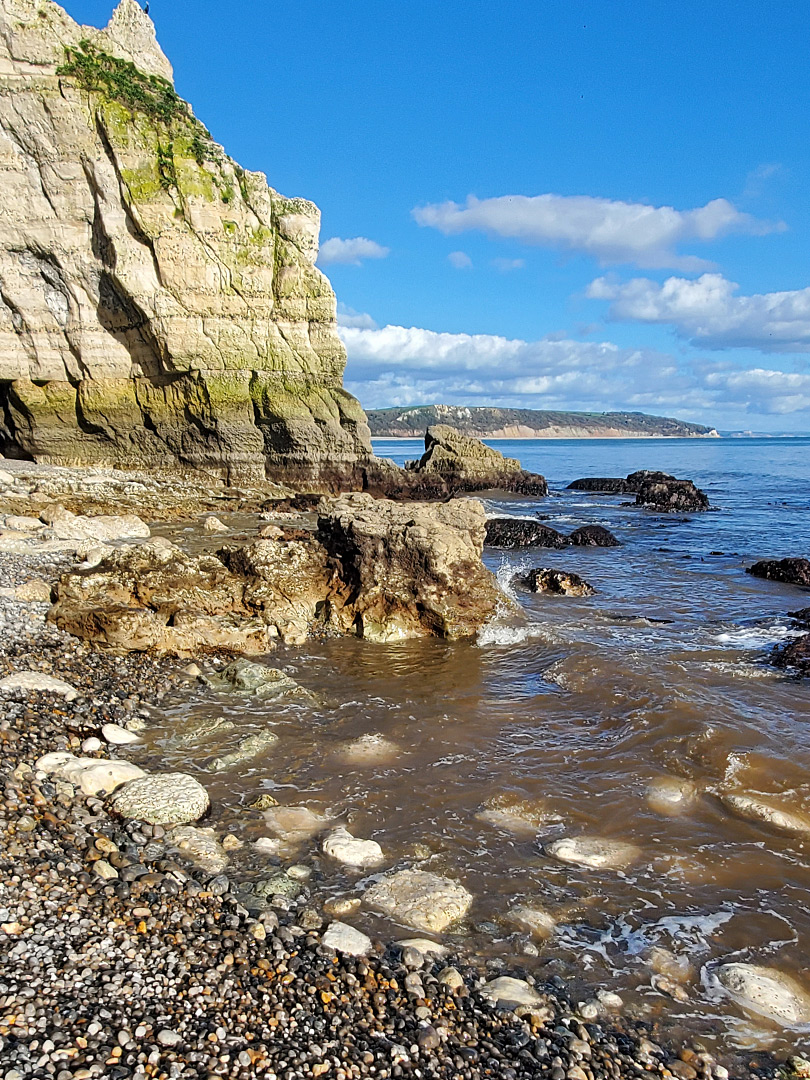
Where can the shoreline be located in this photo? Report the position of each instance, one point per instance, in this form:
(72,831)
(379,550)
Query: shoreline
(550,438)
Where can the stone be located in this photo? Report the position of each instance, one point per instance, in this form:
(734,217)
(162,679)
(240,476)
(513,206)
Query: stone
(341,905)
(95,776)
(36,682)
(793,655)
(766,992)
(516,813)
(766,811)
(351,851)
(671,795)
(201,846)
(162,799)
(508,993)
(248,677)
(119,736)
(295,823)
(593,536)
(451,977)
(344,938)
(91,745)
(512,533)
(557,582)
(369,750)
(420,899)
(279,884)
(423,945)
(164,308)
(214,525)
(671,496)
(252,746)
(593,852)
(104,528)
(536,921)
(467,464)
(789,571)
(20,523)
(35,591)
(203,729)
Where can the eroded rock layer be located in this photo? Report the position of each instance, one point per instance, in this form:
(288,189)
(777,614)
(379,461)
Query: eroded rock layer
(159,305)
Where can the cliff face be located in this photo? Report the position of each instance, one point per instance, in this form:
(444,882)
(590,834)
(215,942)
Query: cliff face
(159,305)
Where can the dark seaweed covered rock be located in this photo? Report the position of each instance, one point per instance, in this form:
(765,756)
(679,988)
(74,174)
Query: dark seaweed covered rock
(618,485)
(795,655)
(522,533)
(680,496)
(791,571)
(559,582)
(593,536)
(802,617)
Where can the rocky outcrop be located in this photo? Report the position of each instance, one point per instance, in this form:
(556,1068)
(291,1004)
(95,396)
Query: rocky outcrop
(654,490)
(159,305)
(593,536)
(557,582)
(458,463)
(794,656)
(521,533)
(378,569)
(790,571)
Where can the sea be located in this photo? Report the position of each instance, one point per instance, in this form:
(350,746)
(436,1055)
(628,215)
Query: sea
(581,724)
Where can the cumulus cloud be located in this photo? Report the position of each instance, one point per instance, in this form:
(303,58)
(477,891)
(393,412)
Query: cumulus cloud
(351,252)
(610,230)
(398,365)
(708,312)
(347,316)
(460,259)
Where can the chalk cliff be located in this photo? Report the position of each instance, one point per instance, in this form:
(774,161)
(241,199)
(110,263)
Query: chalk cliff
(159,305)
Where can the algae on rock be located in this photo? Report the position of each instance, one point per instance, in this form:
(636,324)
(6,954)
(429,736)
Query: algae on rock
(159,305)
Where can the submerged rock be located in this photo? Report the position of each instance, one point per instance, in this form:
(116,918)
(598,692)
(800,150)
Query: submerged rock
(558,582)
(522,533)
(766,811)
(671,795)
(203,729)
(517,813)
(766,992)
(295,823)
(420,899)
(252,746)
(793,655)
(352,851)
(162,799)
(790,571)
(593,536)
(593,852)
(247,677)
(536,921)
(369,750)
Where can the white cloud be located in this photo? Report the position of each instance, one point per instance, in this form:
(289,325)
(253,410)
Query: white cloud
(460,259)
(347,316)
(609,230)
(505,265)
(397,365)
(707,311)
(351,252)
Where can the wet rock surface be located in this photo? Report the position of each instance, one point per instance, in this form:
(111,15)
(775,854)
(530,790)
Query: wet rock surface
(556,582)
(457,463)
(794,656)
(522,533)
(593,536)
(655,490)
(790,571)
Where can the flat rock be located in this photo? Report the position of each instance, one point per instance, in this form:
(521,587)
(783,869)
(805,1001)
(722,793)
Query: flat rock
(765,812)
(67,526)
(247,677)
(162,799)
(766,992)
(201,846)
(593,852)
(252,746)
(351,851)
(119,736)
(95,776)
(514,533)
(36,682)
(344,938)
(508,993)
(420,899)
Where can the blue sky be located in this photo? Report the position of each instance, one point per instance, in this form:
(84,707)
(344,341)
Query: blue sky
(551,204)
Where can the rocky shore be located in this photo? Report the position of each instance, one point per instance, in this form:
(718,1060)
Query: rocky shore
(125,957)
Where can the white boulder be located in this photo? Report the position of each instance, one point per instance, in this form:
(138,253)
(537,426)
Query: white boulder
(351,851)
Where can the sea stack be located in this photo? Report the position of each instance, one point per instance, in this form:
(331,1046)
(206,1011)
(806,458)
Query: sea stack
(160,304)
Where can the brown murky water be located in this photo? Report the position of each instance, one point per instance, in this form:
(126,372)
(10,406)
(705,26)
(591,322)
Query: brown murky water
(490,751)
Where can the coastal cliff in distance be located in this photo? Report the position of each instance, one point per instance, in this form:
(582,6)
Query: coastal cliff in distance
(491,423)
(159,305)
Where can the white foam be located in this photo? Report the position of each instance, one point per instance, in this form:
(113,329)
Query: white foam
(758,637)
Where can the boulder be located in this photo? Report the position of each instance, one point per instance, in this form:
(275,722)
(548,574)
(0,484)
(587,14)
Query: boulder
(35,591)
(522,533)
(467,464)
(672,496)
(95,776)
(508,993)
(558,582)
(593,852)
(295,824)
(593,536)
(766,811)
(103,528)
(419,899)
(344,848)
(794,655)
(369,750)
(201,846)
(766,992)
(790,571)
(247,677)
(671,796)
(801,617)
(252,746)
(162,799)
(345,939)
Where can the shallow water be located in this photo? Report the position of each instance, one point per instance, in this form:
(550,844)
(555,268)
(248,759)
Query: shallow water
(661,674)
